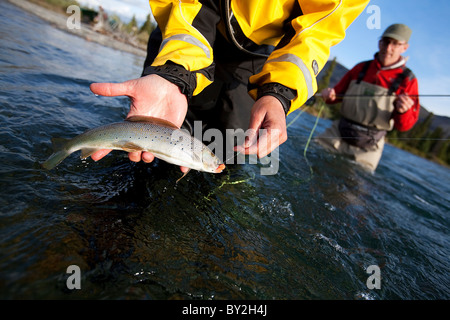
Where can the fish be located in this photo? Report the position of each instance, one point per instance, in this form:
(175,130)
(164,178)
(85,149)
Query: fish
(140,133)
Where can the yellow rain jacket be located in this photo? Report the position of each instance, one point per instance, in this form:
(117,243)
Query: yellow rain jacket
(296,35)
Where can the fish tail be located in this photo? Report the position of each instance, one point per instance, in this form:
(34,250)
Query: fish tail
(58,156)
(55,159)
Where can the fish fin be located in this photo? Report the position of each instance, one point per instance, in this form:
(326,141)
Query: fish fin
(130,147)
(196,157)
(87,152)
(147,119)
(183,175)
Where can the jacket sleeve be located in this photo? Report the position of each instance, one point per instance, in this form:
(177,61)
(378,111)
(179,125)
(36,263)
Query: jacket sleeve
(405,121)
(296,63)
(187,37)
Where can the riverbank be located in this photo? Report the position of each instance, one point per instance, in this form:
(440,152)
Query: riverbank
(85,31)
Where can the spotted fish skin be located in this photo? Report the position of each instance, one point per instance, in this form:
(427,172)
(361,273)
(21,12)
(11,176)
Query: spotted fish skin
(163,139)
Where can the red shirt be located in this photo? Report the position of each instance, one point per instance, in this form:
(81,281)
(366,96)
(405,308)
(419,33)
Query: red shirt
(384,78)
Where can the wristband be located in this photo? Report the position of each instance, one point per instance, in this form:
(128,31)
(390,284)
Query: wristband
(177,74)
(282,93)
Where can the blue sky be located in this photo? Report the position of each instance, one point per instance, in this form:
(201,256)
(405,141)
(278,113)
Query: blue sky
(429,44)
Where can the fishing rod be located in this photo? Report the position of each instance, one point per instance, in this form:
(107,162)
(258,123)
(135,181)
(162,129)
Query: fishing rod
(319,95)
(312,100)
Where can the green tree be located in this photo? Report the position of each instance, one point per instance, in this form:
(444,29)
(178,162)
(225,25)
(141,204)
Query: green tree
(424,144)
(418,132)
(444,152)
(330,111)
(147,26)
(394,138)
(325,81)
(131,27)
(435,140)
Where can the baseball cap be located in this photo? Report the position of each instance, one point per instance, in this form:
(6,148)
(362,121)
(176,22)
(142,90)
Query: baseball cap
(398,32)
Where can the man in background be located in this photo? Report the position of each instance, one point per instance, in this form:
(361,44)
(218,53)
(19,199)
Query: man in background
(377,96)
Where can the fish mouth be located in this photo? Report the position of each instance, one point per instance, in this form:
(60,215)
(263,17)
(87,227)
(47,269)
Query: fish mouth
(220,168)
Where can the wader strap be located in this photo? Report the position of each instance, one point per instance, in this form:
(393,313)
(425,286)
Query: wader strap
(363,71)
(407,73)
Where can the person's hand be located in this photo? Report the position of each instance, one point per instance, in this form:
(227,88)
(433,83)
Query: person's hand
(328,94)
(152,96)
(268,114)
(403,103)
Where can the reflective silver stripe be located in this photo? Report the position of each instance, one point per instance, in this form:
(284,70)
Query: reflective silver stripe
(189,39)
(301,65)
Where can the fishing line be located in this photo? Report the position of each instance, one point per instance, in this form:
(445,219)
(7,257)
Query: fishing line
(233,156)
(317,121)
(312,133)
(305,150)
(311,171)
(297,116)
(313,129)
(227,181)
(388,138)
(428,139)
(319,95)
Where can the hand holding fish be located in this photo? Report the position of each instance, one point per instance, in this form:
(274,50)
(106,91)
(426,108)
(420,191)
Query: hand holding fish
(151,129)
(152,96)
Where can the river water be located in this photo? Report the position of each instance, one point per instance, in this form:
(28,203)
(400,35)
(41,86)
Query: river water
(308,232)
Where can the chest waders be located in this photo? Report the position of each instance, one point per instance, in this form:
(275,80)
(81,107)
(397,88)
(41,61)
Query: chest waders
(366,117)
